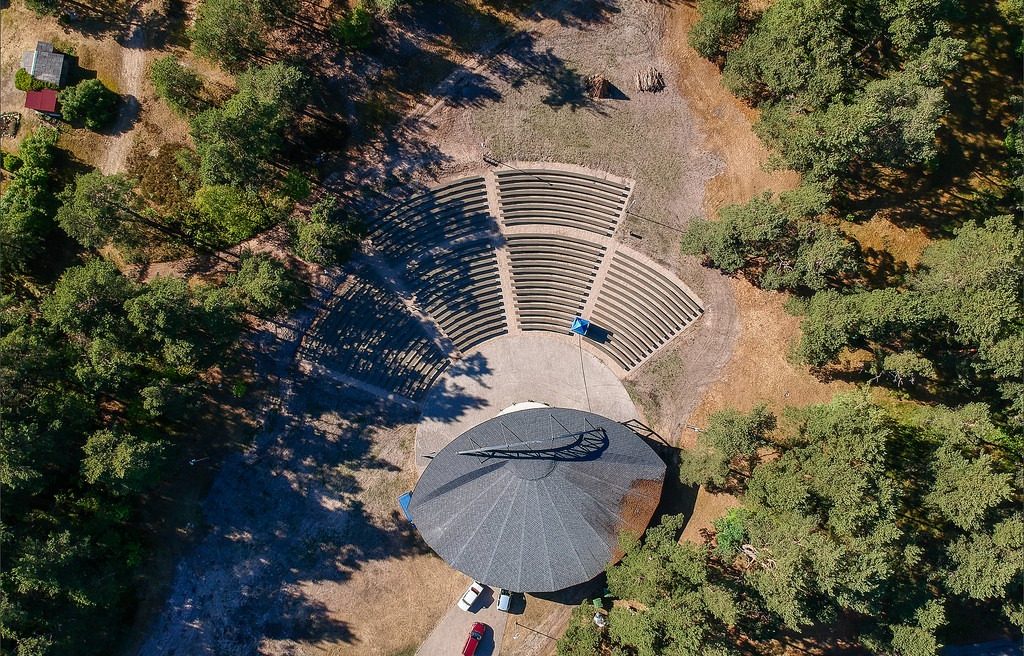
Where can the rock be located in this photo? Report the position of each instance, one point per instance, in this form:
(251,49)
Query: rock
(650,80)
(597,86)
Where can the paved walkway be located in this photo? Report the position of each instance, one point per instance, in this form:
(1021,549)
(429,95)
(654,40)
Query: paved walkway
(452,630)
(543,367)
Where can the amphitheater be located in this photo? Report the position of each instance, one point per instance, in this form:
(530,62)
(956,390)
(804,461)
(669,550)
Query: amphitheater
(520,249)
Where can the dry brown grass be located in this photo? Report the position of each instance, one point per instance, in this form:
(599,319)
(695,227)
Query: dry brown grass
(726,122)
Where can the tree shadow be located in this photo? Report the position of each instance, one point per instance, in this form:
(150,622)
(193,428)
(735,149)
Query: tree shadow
(366,333)
(167,27)
(449,401)
(127,116)
(289,513)
(98,19)
(571,13)
(881,269)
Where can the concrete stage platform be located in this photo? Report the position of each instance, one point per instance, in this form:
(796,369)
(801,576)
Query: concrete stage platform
(525,367)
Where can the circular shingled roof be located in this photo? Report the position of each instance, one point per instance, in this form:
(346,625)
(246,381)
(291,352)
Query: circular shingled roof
(535,500)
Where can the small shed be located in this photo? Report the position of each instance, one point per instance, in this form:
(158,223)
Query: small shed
(45,64)
(44,101)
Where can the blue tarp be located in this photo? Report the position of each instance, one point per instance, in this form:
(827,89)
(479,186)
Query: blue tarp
(403,501)
(580,326)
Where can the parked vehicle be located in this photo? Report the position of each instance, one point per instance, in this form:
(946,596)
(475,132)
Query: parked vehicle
(472,593)
(476,635)
(504,600)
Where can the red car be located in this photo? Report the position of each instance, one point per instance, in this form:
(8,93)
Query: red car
(476,634)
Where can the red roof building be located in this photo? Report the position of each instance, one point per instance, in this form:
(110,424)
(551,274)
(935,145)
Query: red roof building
(42,101)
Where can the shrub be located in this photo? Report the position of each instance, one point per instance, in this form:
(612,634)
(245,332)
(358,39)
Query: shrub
(90,102)
(730,532)
(387,7)
(296,185)
(177,85)
(328,237)
(42,7)
(718,20)
(12,162)
(355,28)
(25,82)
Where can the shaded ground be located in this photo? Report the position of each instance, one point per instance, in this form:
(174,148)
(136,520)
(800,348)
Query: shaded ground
(311,502)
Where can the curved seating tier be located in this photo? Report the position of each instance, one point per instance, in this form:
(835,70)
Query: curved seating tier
(369,335)
(641,309)
(452,211)
(552,276)
(460,287)
(560,198)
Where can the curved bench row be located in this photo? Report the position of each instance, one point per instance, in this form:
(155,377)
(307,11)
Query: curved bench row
(641,309)
(452,211)
(460,287)
(367,334)
(552,276)
(560,198)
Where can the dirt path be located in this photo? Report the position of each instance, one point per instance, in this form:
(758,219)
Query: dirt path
(726,120)
(117,142)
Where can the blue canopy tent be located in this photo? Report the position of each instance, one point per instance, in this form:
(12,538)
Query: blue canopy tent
(404,501)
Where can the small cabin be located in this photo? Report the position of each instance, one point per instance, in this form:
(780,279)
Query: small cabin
(46,65)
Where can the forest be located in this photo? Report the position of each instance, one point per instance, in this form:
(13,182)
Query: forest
(888,523)
(103,378)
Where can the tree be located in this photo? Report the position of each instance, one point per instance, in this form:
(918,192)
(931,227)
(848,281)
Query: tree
(727,450)
(961,319)
(718,21)
(796,48)
(234,142)
(824,516)
(91,102)
(985,564)
(229,214)
(27,202)
(917,638)
(228,31)
(99,209)
(683,607)
(834,321)
(581,637)
(975,280)
(967,488)
(354,29)
(119,461)
(906,368)
(177,85)
(845,88)
(890,519)
(166,312)
(775,242)
(88,300)
(328,237)
(263,284)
